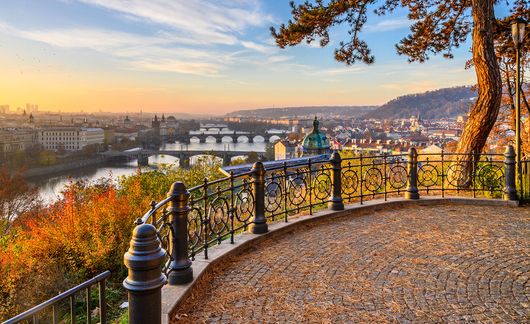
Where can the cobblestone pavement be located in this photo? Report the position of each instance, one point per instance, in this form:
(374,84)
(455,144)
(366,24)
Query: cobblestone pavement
(416,264)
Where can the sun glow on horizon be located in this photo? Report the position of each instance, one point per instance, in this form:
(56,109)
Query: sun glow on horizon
(200,58)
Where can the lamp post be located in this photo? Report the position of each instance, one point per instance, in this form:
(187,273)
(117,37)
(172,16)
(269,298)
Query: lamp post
(518,29)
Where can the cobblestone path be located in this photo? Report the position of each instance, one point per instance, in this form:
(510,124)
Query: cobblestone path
(417,264)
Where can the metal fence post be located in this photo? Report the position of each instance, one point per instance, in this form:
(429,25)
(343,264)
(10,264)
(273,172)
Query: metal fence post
(180,270)
(412,166)
(259,221)
(510,191)
(145,278)
(336,202)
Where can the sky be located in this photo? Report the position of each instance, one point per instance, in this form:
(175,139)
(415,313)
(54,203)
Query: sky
(198,57)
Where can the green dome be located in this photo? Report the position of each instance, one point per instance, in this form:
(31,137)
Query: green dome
(316,141)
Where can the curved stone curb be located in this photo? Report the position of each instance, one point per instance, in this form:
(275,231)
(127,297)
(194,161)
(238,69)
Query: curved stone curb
(172,296)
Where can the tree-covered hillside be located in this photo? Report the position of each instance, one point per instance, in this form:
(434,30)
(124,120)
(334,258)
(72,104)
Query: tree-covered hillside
(448,102)
(350,111)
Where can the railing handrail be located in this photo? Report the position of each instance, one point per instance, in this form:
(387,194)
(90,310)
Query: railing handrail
(62,296)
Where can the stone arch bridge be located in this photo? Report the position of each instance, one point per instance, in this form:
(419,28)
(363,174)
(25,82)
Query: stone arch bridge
(233,136)
(142,155)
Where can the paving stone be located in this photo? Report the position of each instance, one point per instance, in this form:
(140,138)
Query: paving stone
(410,265)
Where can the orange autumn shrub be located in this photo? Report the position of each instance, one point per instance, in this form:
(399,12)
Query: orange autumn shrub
(55,248)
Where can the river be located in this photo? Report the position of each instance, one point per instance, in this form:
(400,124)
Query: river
(50,187)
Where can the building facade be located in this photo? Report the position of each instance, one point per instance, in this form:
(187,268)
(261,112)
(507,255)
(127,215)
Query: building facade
(285,149)
(70,138)
(14,140)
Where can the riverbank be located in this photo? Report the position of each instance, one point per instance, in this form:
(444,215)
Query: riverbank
(63,167)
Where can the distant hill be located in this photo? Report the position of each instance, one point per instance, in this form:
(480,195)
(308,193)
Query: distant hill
(347,111)
(442,103)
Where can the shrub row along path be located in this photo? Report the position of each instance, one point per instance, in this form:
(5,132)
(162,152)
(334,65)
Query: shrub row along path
(417,264)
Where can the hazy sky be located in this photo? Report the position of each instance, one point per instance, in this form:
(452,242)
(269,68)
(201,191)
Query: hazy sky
(194,56)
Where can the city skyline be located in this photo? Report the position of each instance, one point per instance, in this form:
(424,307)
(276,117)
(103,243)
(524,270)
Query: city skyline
(200,58)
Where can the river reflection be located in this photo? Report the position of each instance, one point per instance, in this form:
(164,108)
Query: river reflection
(50,188)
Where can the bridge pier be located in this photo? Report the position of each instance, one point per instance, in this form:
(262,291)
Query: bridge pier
(226,159)
(143,160)
(184,161)
(218,139)
(251,139)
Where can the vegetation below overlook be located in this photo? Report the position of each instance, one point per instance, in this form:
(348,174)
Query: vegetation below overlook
(48,249)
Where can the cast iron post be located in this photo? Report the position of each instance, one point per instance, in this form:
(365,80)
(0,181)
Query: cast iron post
(180,271)
(509,192)
(412,187)
(145,278)
(259,221)
(336,202)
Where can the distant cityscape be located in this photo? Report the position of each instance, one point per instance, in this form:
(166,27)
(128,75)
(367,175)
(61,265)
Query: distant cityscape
(53,138)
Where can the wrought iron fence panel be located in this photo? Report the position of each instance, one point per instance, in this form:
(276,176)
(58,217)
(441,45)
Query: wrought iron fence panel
(369,177)
(321,184)
(351,179)
(447,172)
(243,204)
(292,189)
(397,176)
(218,210)
(275,191)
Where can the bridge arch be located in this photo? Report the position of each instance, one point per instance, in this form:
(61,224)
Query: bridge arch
(210,139)
(243,139)
(205,158)
(227,139)
(259,139)
(274,138)
(195,139)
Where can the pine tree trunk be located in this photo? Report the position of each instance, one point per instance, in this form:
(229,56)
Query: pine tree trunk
(484,113)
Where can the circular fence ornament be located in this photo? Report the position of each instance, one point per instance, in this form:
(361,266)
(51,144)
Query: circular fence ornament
(456,175)
(194,228)
(491,176)
(398,176)
(297,189)
(350,182)
(273,194)
(322,185)
(218,216)
(244,204)
(373,179)
(427,175)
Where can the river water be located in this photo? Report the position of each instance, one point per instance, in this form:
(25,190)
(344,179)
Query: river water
(50,188)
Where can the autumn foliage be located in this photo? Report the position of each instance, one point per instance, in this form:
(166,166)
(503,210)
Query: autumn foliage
(50,249)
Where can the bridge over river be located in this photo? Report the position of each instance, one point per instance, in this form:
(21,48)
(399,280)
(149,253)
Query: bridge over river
(228,136)
(142,155)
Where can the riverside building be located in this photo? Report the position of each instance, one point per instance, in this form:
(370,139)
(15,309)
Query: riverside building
(70,138)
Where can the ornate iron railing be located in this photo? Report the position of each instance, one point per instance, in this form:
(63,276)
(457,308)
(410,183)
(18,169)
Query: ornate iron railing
(190,221)
(35,314)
